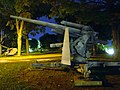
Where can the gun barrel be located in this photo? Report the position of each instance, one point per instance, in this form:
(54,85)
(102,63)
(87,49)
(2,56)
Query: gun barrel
(79,26)
(51,25)
(72,24)
(61,32)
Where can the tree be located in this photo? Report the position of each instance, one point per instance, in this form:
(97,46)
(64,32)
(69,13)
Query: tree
(5,9)
(1,32)
(24,8)
(48,39)
(33,43)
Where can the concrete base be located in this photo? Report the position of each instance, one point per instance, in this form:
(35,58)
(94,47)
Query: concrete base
(86,82)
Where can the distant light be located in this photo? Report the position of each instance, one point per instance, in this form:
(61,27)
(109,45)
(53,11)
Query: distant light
(98,43)
(39,44)
(30,39)
(110,51)
(30,50)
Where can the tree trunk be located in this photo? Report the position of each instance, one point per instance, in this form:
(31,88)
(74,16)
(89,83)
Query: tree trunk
(116,40)
(19,32)
(0,49)
(19,42)
(1,43)
(94,50)
(27,46)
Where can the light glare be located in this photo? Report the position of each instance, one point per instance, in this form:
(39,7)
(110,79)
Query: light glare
(109,51)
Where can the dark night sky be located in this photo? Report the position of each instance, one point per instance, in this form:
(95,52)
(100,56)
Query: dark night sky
(48,30)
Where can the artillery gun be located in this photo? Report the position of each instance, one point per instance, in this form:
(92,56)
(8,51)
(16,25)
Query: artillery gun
(82,38)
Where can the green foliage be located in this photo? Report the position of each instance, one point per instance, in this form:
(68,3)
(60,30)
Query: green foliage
(2,22)
(38,8)
(22,6)
(7,7)
(61,8)
(100,11)
(11,38)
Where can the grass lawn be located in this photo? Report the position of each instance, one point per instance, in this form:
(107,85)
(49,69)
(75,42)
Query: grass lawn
(9,76)
(22,76)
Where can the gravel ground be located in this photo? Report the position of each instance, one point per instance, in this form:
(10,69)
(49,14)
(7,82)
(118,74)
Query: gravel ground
(22,76)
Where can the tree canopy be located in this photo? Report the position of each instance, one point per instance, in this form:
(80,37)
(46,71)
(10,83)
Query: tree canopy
(85,10)
(23,8)
(48,39)
(33,43)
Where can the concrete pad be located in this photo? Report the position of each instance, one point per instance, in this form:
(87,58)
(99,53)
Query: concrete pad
(86,82)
